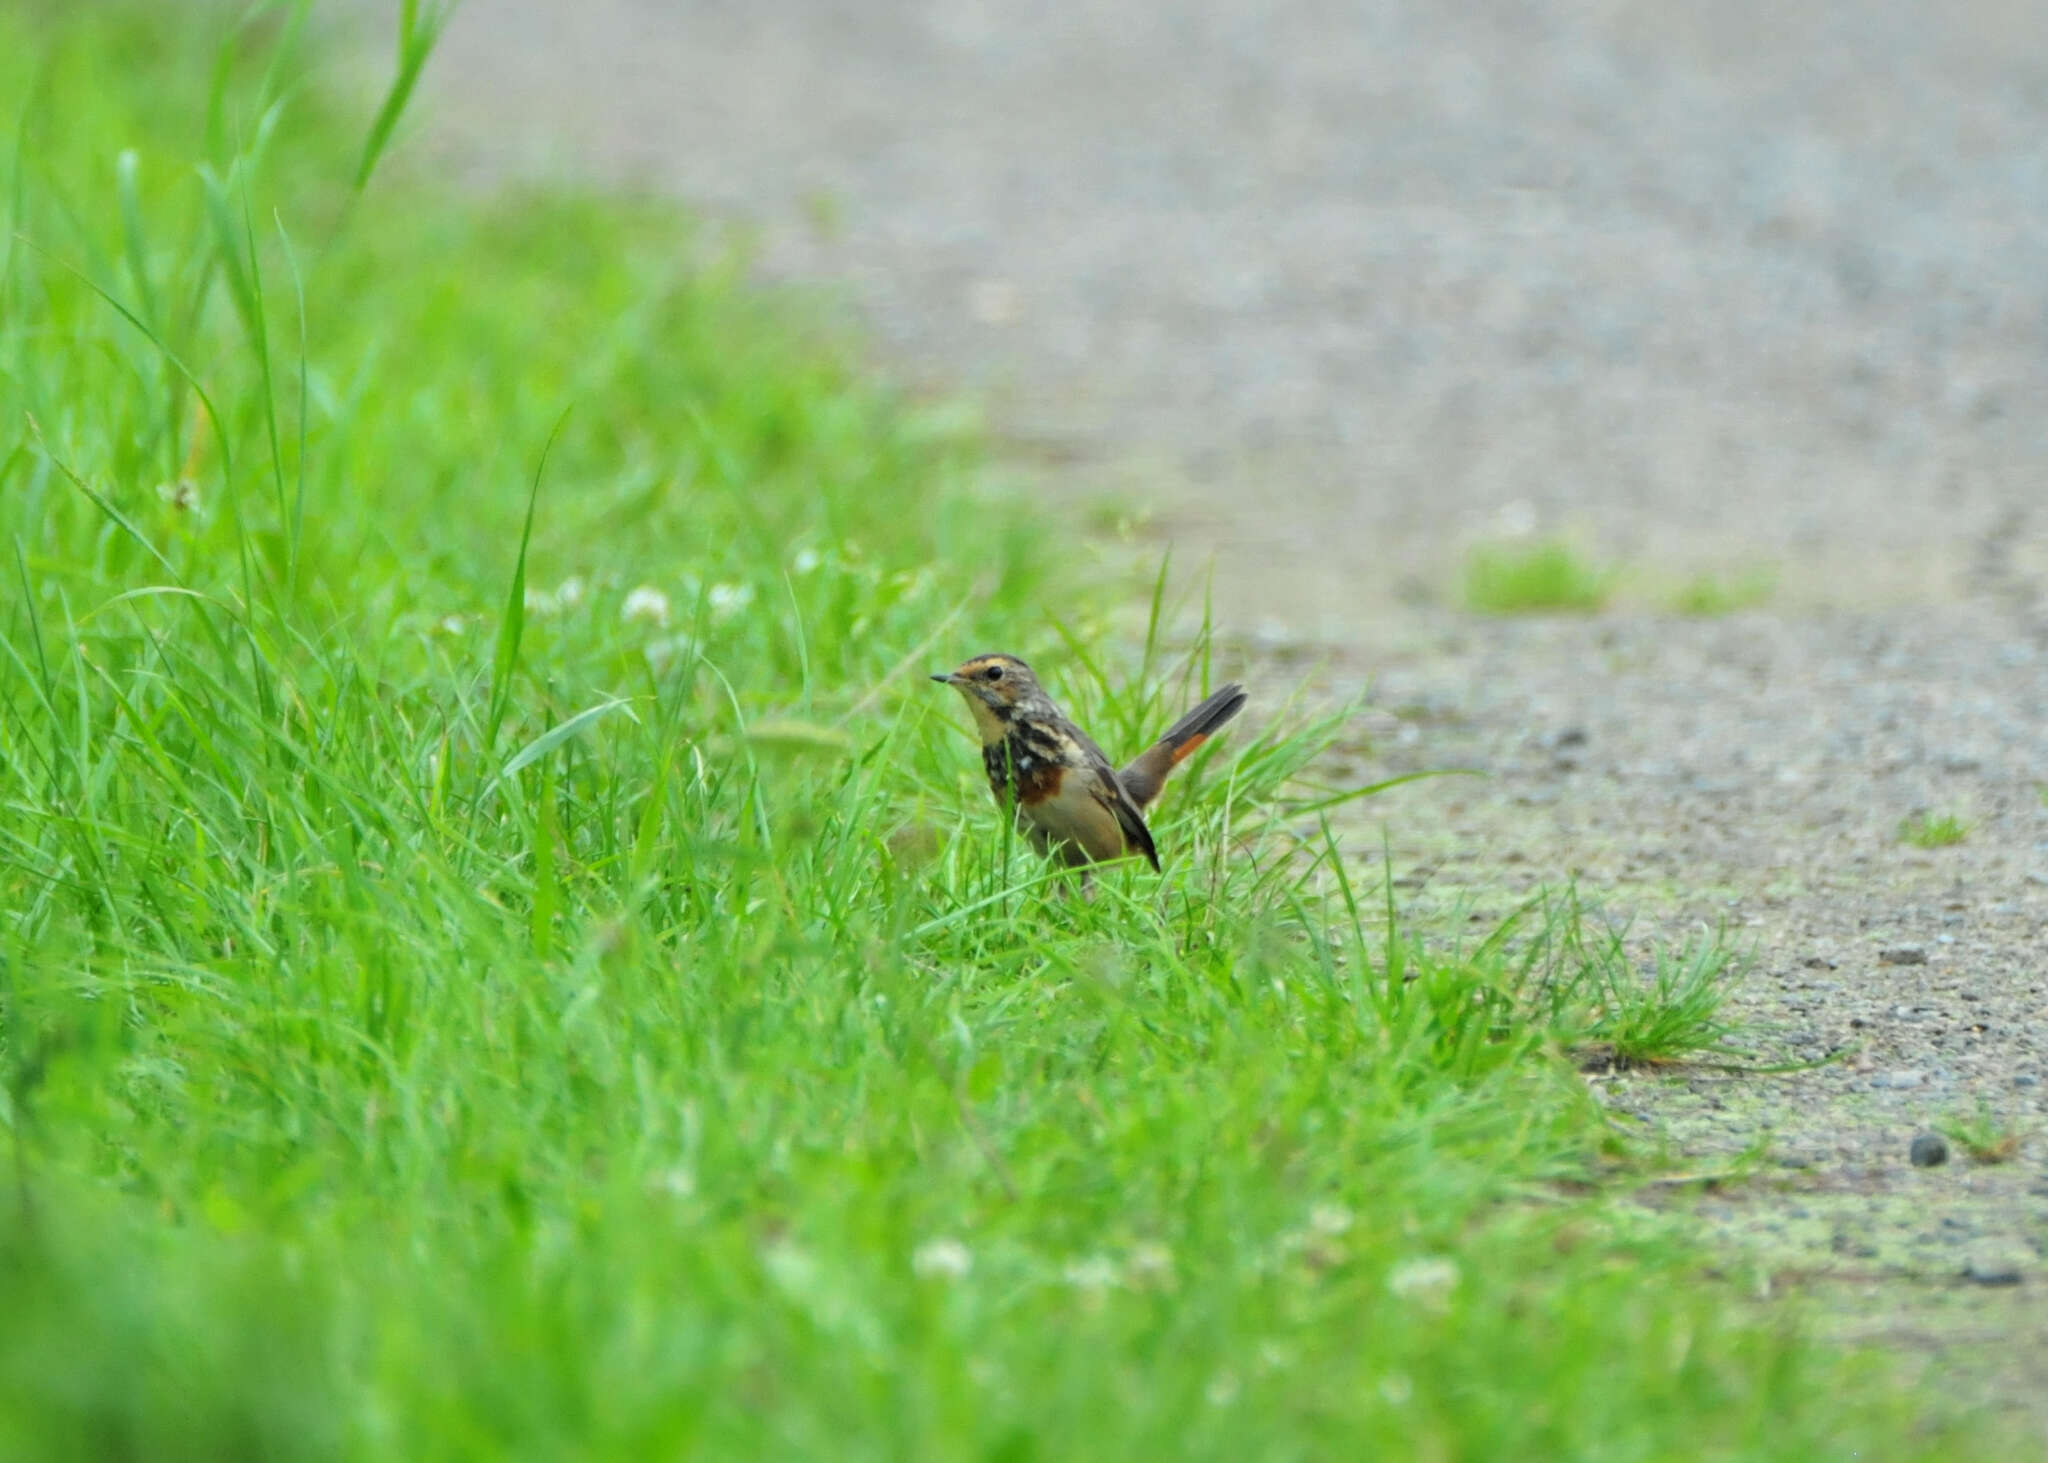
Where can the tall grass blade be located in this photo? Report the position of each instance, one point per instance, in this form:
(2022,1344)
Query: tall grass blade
(555,735)
(513,624)
(419,28)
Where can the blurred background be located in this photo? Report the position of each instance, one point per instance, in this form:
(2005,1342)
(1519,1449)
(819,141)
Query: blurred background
(1336,291)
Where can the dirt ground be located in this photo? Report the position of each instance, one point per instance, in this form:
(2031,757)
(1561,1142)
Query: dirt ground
(1331,293)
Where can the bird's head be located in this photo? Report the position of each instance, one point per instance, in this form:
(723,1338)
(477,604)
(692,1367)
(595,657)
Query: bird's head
(994,687)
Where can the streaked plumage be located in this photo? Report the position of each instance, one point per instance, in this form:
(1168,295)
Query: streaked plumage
(1069,799)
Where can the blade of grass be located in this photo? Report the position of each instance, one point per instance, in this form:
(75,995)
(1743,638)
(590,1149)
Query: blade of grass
(513,624)
(1352,795)
(297,520)
(555,735)
(419,29)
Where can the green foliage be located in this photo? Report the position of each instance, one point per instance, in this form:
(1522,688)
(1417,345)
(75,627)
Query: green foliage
(1934,830)
(1982,1134)
(497,958)
(1584,990)
(1540,578)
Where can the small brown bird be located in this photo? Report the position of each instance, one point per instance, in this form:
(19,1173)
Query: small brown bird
(1069,800)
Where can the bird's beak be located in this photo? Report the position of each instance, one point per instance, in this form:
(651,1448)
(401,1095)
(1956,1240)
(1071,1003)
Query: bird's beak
(944,678)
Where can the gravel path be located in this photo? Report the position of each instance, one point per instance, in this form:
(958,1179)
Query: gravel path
(1339,291)
(1749,775)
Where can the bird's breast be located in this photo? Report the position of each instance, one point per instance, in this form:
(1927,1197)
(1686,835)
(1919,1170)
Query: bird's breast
(1024,765)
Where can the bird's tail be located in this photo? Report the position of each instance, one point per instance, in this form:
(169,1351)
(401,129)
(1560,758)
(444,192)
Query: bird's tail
(1145,776)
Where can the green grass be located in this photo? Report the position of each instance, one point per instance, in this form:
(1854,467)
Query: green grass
(1540,578)
(1982,1134)
(1708,595)
(502,955)
(1610,1010)
(1934,830)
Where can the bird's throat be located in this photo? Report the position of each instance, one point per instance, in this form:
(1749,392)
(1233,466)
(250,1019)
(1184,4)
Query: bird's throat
(992,727)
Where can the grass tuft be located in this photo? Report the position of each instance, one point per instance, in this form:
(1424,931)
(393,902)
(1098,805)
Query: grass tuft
(1982,1134)
(1590,997)
(1537,579)
(1934,830)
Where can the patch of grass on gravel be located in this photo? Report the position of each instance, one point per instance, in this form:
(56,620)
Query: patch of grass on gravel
(465,994)
(1934,830)
(1505,579)
(1981,1134)
(1623,1013)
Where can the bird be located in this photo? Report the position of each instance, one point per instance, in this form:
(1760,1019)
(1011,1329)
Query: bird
(1067,797)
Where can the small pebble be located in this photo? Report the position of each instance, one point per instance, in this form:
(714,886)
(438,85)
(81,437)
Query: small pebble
(1898,1079)
(1929,1150)
(1902,955)
(2026,1079)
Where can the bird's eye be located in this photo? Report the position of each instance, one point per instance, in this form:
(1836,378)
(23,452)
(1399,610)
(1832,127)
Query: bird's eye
(993,673)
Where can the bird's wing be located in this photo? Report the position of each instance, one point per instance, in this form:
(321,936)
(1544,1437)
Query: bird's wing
(1107,788)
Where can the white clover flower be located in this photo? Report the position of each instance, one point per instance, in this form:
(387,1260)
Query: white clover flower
(663,653)
(565,596)
(728,599)
(941,1259)
(1429,1279)
(679,1182)
(646,603)
(1329,1219)
(1094,1272)
(805,561)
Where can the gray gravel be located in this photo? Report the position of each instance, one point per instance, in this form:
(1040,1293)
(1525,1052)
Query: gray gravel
(1338,286)
(1338,291)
